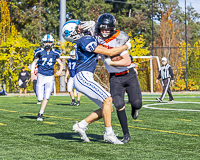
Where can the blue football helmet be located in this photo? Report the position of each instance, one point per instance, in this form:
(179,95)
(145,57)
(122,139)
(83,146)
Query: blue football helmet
(47,39)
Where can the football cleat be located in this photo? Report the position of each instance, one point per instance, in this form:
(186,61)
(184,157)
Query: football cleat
(112,138)
(40,117)
(126,138)
(73,103)
(77,103)
(171,100)
(81,132)
(135,113)
(39,102)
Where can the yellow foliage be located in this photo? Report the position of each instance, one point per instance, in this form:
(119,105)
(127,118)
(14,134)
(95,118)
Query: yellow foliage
(15,51)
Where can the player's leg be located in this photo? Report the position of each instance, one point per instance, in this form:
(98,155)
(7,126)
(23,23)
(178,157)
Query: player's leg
(40,94)
(117,92)
(70,90)
(85,84)
(134,93)
(78,98)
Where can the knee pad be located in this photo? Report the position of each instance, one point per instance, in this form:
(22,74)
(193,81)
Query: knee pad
(137,103)
(118,102)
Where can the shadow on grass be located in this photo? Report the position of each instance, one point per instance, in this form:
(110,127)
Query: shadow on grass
(31,117)
(63,104)
(30,102)
(73,137)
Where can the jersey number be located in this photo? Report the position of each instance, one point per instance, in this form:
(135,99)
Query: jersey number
(48,62)
(72,65)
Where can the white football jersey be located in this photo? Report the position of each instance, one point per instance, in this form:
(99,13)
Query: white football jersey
(117,40)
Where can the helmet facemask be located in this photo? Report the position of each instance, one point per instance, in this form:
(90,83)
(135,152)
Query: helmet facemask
(75,29)
(48,39)
(107,22)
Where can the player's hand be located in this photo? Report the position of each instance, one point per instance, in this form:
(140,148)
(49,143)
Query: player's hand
(128,43)
(32,77)
(172,81)
(58,73)
(108,60)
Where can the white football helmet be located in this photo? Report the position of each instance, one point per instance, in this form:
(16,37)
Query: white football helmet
(47,38)
(70,30)
(72,53)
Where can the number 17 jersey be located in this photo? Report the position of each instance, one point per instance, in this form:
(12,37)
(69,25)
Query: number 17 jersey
(46,60)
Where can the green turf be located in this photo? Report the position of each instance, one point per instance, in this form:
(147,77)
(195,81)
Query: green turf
(156,135)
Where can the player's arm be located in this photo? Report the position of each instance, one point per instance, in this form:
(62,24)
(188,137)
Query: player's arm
(61,67)
(66,74)
(113,51)
(33,68)
(125,61)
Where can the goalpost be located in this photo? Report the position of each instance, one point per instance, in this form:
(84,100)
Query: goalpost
(151,67)
(134,57)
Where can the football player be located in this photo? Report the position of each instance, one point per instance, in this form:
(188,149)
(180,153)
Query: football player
(70,84)
(45,57)
(87,50)
(122,74)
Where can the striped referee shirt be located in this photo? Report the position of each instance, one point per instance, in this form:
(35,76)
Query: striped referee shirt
(166,72)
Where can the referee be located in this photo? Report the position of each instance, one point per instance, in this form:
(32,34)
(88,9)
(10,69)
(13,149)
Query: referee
(166,74)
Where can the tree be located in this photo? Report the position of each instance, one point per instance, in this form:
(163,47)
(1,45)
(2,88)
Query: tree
(15,51)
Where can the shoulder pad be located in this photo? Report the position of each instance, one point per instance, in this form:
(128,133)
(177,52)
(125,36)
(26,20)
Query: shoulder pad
(122,38)
(38,49)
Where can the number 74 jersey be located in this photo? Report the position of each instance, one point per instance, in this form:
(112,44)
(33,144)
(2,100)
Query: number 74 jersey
(46,60)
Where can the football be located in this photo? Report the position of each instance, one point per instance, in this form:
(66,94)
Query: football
(116,58)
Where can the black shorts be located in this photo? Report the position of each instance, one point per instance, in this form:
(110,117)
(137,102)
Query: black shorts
(23,85)
(130,82)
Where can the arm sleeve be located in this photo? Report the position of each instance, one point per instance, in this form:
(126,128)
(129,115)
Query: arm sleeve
(159,76)
(89,44)
(171,73)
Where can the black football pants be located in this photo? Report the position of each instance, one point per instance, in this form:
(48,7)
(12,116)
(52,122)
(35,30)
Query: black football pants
(131,83)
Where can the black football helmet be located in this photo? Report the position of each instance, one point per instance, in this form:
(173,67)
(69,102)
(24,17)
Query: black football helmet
(106,21)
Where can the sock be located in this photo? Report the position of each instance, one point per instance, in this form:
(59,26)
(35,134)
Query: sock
(41,112)
(123,121)
(108,130)
(83,124)
(73,100)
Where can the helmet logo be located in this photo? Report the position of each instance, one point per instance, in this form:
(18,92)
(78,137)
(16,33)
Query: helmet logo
(67,33)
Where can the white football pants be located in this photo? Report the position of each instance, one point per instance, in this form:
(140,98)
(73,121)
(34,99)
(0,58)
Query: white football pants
(70,84)
(84,83)
(44,86)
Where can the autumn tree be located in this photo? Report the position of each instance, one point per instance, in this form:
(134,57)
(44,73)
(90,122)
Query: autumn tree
(15,51)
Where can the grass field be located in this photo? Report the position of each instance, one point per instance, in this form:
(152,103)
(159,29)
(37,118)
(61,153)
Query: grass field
(157,134)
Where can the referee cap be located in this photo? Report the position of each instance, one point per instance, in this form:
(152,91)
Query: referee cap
(164,59)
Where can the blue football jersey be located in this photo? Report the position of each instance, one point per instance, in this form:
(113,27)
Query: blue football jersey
(46,61)
(71,66)
(86,58)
